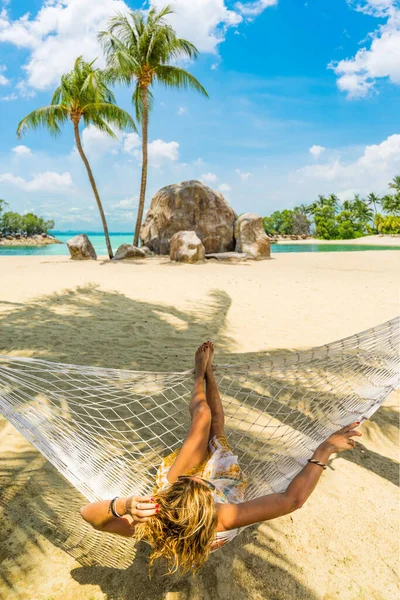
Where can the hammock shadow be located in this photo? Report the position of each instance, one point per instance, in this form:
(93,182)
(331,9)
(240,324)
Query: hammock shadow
(88,326)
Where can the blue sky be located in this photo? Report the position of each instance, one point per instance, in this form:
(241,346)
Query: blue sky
(303,100)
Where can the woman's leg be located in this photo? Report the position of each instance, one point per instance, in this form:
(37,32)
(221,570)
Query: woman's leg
(194,448)
(214,398)
(198,400)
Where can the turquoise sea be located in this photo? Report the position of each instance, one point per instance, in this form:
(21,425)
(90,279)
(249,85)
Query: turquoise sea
(117,239)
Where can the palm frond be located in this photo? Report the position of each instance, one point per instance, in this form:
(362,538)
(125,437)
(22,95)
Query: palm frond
(50,117)
(181,48)
(112,114)
(175,77)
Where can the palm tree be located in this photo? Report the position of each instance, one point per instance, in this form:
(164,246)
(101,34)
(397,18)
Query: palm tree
(82,95)
(374,200)
(391,204)
(361,211)
(139,50)
(395,184)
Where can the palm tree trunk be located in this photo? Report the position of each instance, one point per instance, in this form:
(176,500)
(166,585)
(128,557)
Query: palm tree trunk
(145,127)
(94,188)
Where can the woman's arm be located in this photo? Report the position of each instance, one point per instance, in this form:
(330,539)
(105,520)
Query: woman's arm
(100,517)
(272,506)
(276,505)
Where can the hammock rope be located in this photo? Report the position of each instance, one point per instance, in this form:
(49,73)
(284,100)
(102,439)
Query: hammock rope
(107,430)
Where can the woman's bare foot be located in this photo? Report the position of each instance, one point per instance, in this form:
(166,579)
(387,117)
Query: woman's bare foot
(201,359)
(209,368)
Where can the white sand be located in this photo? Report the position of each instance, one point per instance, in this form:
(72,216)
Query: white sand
(368,240)
(342,544)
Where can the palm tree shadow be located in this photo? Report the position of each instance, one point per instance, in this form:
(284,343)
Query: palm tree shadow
(232,572)
(88,326)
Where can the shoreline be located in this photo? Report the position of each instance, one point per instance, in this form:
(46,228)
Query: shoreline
(368,240)
(29,241)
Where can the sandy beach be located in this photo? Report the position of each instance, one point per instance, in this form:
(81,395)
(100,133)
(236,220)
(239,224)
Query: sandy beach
(367,240)
(151,315)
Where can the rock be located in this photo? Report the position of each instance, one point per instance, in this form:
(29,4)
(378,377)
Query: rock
(229,256)
(147,251)
(251,238)
(189,206)
(186,247)
(81,248)
(127,251)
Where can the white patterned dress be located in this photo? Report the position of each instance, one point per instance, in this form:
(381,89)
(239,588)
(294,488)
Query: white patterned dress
(221,468)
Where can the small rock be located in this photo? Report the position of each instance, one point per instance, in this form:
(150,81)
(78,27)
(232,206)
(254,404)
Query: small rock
(147,250)
(186,247)
(229,256)
(81,248)
(127,251)
(251,238)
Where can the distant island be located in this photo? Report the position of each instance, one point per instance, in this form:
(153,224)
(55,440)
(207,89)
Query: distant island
(24,230)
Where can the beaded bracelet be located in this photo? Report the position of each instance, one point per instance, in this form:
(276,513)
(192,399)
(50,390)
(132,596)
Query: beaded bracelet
(317,462)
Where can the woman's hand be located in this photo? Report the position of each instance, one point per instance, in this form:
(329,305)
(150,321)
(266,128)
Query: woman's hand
(141,508)
(341,440)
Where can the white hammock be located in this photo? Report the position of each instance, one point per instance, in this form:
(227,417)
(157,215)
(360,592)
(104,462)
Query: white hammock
(106,430)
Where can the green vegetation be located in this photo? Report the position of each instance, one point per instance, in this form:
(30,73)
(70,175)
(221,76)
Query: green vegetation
(12,223)
(332,220)
(139,49)
(82,95)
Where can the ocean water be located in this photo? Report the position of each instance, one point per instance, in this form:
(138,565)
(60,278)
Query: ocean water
(117,239)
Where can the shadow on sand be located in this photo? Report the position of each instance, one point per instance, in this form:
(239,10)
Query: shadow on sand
(88,326)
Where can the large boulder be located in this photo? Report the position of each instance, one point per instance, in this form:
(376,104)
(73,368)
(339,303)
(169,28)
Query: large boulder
(127,251)
(189,206)
(186,247)
(81,248)
(251,238)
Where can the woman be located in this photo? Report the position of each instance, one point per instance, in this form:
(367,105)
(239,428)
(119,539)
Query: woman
(198,502)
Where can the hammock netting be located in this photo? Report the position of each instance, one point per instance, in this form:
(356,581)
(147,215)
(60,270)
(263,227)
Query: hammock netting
(107,430)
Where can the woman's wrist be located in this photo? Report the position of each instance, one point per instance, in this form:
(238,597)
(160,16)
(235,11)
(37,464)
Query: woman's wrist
(121,506)
(322,453)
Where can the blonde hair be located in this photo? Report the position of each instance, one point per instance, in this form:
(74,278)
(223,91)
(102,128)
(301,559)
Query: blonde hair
(184,527)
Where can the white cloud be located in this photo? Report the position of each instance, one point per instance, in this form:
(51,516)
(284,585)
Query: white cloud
(224,187)
(316,151)
(22,150)
(357,76)
(253,9)
(203,22)
(3,78)
(209,177)
(159,151)
(64,28)
(9,97)
(132,142)
(125,204)
(47,181)
(182,110)
(96,143)
(55,36)
(244,176)
(372,171)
